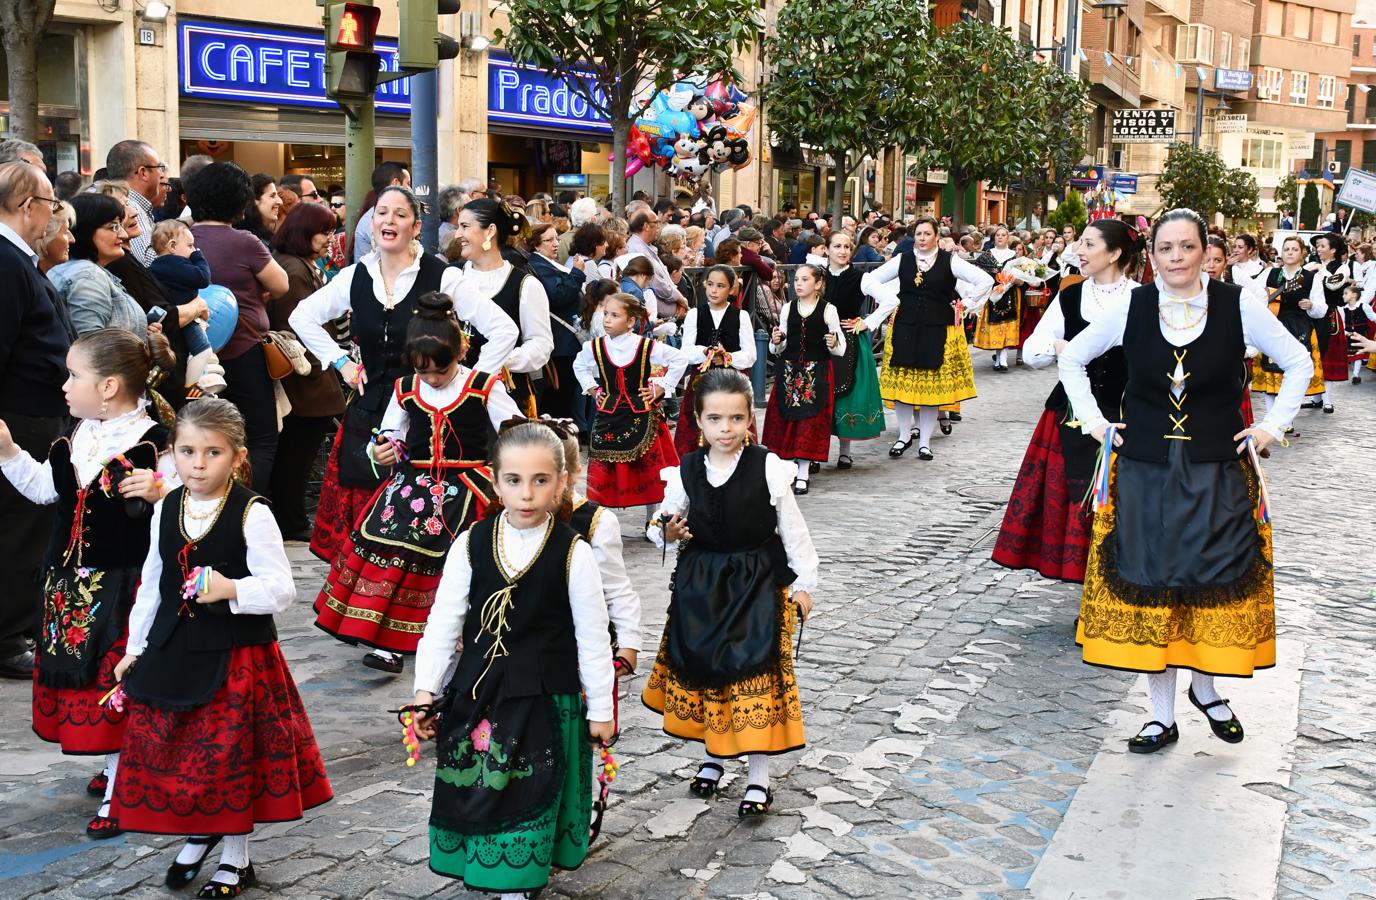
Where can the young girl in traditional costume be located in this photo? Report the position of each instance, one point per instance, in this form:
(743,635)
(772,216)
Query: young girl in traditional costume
(1358,317)
(926,362)
(1047,522)
(797,425)
(1179,573)
(629,443)
(435,433)
(513,776)
(744,580)
(717,333)
(104,477)
(217,741)
(1334,273)
(858,410)
(999,320)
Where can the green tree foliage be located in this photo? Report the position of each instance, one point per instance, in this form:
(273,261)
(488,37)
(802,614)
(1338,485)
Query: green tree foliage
(1240,195)
(840,70)
(1072,210)
(1287,193)
(608,50)
(1310,208)
(1197,177)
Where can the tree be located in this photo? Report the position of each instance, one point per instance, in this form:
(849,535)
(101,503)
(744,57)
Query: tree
(1310,208)
(23,23)
(608,51)
(1065,117)
(1197,177)
(1287,193)
(840,67)
(1071,211)
(1240,195)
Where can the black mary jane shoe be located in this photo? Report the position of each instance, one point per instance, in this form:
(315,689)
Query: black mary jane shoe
(753,809)
(1311,404)
(925,454)
(1356,379)
(944,425)
(704,788)
(391,666)
(213,888)
(103,828)
(179,875)
(899,448)
(844,462)
(799,487)
(954,417)
(1228,730)
(1328,408)
(814,467)
(97,785)
(1150,743)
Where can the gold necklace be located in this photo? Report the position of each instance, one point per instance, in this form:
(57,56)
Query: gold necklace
(213,515)
(505,563)
(1161,314)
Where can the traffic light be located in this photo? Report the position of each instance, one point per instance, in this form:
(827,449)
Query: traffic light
(353,65)
(422,44)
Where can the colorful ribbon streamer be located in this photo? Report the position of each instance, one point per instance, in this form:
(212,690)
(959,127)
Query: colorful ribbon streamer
(1102,472)
(1264,498)
(198,582)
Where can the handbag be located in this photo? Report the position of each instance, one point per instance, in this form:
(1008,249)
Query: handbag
(279,364)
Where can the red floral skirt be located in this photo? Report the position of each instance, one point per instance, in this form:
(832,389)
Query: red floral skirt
(1335,358)
(245,758)
(1046,527)
(338,510)
(686,432)
(74,718)
(808,438)
(625,484)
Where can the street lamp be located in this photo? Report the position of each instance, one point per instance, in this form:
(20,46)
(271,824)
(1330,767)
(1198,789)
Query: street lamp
(1199,108)
(1112,9)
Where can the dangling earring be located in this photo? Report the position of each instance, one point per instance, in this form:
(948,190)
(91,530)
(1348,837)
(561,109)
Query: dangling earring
(747,439)
(415,247)
(487,243)
(702,441)
(104,406)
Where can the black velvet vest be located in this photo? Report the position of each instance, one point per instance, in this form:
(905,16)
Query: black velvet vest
(1108,374)
(728,335)
(623,383)
(807,337)
(738,515)
(508,299)
(464,434)
(928,302)
(381,335)
(1208,412)
(542,655)
(584,519)
(843,292)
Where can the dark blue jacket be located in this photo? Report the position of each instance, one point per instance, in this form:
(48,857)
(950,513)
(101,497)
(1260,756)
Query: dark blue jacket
(181,277)
(565,292)
(35,335)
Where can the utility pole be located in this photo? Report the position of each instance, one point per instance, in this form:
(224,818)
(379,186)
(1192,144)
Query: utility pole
(425,155)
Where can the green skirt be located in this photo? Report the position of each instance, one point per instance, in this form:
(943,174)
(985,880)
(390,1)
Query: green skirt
(859,414)
(520,858)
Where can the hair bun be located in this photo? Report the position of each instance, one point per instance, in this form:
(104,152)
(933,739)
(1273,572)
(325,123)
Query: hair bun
(435,305)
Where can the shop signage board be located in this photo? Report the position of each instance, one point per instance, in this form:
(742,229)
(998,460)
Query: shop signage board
(1230,123)
(1087,176)
(523,95)
(570,181)
(1359,190)
(1124,184)
(1232,80)
(273,66)
(1143,126)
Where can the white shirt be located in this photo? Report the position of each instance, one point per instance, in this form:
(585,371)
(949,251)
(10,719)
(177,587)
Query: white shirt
(1317,297)
(1248,268)
(972,283)
(537,338)
(1260,329)
(397,421)
(266,591)
(1096,300)
(333,300)
(620,350)
(792,527)
(94,444)
(623,603)
(741,359)
(829,315)
(13,237)
(436,651)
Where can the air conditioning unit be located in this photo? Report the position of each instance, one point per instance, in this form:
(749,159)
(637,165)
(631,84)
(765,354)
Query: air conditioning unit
(1101,156)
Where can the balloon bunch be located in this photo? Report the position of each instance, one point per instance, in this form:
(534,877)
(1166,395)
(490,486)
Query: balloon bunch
(695,126)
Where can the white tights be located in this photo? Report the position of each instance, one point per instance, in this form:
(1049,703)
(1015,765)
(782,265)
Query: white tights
(1162,686)
(1356,368)
(926,422)
(111,767)
(757,773)
(1001,357)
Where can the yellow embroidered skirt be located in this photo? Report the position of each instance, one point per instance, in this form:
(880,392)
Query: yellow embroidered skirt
(1231,634)
(952,383)
(761,714)
(1269,382)
(998,335)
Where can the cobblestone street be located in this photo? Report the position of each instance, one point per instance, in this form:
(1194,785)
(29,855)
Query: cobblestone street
(957,746)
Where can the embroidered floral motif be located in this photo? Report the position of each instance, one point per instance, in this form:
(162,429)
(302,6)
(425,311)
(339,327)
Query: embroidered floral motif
(70,610)
(478,761)
(426,504)
(800,384)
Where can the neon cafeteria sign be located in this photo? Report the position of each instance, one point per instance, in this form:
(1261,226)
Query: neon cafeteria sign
(273,66)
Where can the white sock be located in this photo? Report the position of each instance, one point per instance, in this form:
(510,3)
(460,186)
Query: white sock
(111,767)
(384,654)
(1356,368)
(513,895)
(844,449)
(193,853)
(1161,687)
(758,774)
(1206,693)
(1001,357)
(926,422)
(802,469)
(709,774)
(234,853)
(1323,398)
(904,411)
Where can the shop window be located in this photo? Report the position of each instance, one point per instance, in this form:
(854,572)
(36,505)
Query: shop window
(62,110)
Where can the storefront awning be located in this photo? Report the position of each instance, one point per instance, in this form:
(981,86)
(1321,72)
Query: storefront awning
(238,122)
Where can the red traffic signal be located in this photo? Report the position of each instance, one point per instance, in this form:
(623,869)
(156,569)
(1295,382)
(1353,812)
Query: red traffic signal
(354,26)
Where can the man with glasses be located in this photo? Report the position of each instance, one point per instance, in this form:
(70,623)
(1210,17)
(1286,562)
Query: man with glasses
(304,186)
(138,164)
(35,334)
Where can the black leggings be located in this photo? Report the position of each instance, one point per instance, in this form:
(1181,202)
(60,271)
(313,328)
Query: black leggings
(250,389)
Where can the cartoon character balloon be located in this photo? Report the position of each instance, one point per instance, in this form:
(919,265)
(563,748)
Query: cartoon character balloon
(696,125)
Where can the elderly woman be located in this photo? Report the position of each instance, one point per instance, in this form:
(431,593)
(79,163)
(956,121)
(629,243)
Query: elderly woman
(451,200)
(95,298)
(564,287)
(54,246)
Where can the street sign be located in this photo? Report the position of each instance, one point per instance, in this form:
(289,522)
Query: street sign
(1230,123)
(1086,176)
(1143,126)
(1301,146)
(1232,80)
(1359,190)
(1124,184)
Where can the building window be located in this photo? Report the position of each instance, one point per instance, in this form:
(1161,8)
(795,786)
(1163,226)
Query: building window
(1244,53)
(1328,90)
(1275,18)
(1369,155)
(1225,50)
(1329,32)
(1194,44)
(1299,88)
(1303,18)
(1356,45)
(1351,103)
(1269,86)
(1260,154)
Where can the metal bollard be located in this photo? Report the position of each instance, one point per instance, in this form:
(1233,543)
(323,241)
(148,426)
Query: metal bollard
(757,371)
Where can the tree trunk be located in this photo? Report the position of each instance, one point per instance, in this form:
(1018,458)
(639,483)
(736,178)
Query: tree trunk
(21,52)
(958,214)
(838,194)
(621,133)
